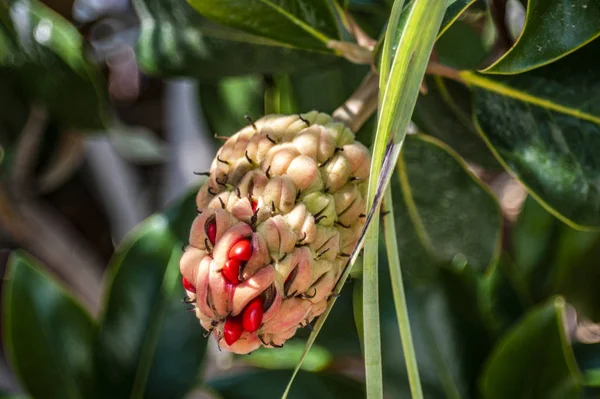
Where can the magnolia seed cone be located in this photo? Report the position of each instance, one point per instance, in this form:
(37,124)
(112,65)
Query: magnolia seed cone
(277,220)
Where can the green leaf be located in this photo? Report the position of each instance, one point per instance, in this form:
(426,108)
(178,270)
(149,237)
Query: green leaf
(450,335)
(176,41)
(553,258)
(287,357)
(181,214)
(531,238)
(436,226)
(533,360)
(445,113)
(399,295)
(461,47)
(47,334)
(299,23)
(408,44)
(270,384)
(504,295)
(44,53)
(453,12)
(588,360)
(226,102)
(553,29)
(544,127)
(148,345)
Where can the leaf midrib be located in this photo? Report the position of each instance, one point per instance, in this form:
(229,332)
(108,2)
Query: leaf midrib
(482,82)
(305,27)
(411,207)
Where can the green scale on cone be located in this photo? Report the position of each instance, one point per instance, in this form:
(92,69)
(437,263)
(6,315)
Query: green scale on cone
(282,211)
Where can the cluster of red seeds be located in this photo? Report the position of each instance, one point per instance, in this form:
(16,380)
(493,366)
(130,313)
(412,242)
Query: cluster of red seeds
(251,317)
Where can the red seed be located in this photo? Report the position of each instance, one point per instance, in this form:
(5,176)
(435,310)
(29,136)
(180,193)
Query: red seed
(231,271)
(254,205)
(242,250)
(211,231)
(232,330)
(252,315)
(188,286)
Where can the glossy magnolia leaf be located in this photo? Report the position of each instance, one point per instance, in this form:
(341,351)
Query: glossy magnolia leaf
(262,384)
(47,334)
(533,359)
(544,126)
(553,29)
(44,54)
(299,23)
(445,113)
(435,226)
(176,41)
(148,345)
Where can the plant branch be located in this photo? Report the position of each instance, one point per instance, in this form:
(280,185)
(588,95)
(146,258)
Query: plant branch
(361,105)
(38,228)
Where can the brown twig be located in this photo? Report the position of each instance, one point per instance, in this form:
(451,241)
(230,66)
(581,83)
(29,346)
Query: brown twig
(361,105)
(437,69)
(38,228)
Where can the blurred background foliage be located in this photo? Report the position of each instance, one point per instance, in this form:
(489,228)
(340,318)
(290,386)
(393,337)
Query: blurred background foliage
(108,107)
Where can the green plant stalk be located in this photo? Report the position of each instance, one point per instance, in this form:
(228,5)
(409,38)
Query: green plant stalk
(410,357)
(417,36)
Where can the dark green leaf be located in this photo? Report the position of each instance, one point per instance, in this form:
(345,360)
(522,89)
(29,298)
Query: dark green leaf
(544,126)
(553,258)
(503,295)
(533,360)
(44,53)
(299,23)
(445,113)
(553,29)
(181,214)
(531,237)
(453,12)
(461,47)
(435,224)
(13,115)
(47,334)
(148,345)
(588,360)
(176,41)
(450,335)
(271,384)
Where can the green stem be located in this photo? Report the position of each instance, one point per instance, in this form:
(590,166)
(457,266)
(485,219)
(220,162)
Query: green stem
(410,357)
(410,37)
